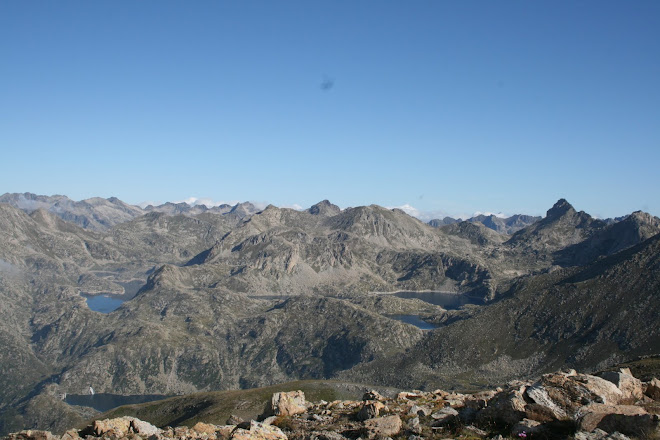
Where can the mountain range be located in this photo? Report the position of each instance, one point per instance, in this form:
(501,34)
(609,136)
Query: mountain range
(236,297)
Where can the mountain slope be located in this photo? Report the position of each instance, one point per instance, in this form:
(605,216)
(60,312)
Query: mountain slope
(581,318)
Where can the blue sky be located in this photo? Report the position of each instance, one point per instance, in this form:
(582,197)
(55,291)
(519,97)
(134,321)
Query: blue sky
(449,107)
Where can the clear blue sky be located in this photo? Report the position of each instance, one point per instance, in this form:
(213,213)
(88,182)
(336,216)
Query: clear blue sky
(448,106)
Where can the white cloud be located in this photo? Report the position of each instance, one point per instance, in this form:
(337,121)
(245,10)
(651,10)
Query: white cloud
(31,205)
(210,203)
(496,214)
(408,209)
(295,206)
(424,216)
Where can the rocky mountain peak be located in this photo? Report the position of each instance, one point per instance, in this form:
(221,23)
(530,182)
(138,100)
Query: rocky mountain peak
(559,209)
(243,209)
(643,218)
(324,208)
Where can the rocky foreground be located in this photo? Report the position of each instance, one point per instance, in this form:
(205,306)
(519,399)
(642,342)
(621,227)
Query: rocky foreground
(612,405)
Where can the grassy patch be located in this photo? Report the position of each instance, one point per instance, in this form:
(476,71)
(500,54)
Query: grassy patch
(216,407)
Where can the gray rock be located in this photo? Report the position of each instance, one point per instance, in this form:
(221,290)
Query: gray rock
(414,426)
(422,410)
(626,419)
(289,403)
(540,395)
(444,416)
(383,426)
(631,388)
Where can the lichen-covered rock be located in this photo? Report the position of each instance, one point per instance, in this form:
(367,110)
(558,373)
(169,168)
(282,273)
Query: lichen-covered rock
(205,428)
(31,435)
(540,396)
(383,426)
(422,410)
(288,404)
(369,410)
(627,419)
(71,434)
(631,388)
(653,389)
(145,429)
(444,416)
(599,434)
(506,407)
(601,389)
(259,431)
(118,427)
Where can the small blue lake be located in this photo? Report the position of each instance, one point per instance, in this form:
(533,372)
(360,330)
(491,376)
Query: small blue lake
(103,303)
(414,320)
(106,303)
(449,301)
(103,402)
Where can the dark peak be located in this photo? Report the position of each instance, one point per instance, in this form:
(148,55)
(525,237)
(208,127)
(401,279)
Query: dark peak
(324,208)
(560,208)
(436,222)
(244,208)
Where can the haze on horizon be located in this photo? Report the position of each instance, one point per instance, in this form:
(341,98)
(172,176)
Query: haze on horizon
(446,107)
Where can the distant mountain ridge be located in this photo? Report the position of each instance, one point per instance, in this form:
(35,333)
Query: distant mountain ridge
(236,300)
(507,225)
(98,214)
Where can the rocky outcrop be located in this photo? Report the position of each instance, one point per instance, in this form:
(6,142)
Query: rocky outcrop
(288,404)
(653,389)
(630,387)
(558,405)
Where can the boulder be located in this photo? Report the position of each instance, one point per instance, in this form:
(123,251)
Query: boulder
(118,427)
(599,434)
(259,431)
(31,434)
(422,410)
(506,407)
(145,429)
(205,428)
(627,419)
(631,388)
(653,389)
(444,416)
(369,410)
(455,399)
(560,395)
(601,389)
(288,404)
(383,426)
(225,431)
(406,395)
(71,434)
(539,395)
